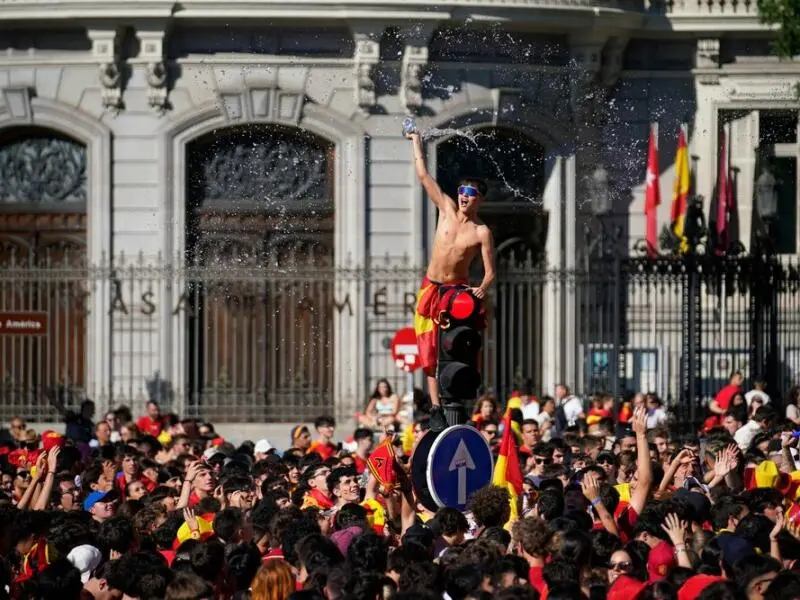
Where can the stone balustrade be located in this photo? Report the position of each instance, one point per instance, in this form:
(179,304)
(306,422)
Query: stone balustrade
(645,14)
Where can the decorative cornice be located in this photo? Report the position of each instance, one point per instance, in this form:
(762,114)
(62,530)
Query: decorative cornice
(763,90)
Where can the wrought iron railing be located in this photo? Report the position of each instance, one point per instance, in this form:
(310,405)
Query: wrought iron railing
(289,341)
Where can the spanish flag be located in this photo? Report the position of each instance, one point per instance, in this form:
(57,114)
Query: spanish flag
(507,472)
(680,192)
(427,308)
(381,464)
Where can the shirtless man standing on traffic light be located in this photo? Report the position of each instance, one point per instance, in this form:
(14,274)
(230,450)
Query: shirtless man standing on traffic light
(460,235)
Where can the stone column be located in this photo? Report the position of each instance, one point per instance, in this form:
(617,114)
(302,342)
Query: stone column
(552,306)
(704,142)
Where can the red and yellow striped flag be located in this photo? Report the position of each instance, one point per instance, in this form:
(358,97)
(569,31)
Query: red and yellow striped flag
(680,192)
(507,471)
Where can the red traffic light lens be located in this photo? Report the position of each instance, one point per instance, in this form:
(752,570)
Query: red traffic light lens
(463,306)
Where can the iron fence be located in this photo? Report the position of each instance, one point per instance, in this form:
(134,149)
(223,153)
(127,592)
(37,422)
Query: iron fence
(289,341)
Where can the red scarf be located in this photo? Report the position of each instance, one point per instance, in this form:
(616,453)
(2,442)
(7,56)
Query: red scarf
(317,498)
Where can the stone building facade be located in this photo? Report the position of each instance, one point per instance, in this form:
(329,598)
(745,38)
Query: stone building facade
(159,151)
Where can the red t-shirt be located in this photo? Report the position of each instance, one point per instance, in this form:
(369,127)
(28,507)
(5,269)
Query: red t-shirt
(150,426)
(324,450)
(537,581)
(360,464)
(626,518)
(726,394)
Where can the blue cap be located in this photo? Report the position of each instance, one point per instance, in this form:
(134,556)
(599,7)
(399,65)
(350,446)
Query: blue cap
(96,497)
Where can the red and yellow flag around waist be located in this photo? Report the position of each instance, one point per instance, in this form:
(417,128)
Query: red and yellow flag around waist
(507,470)
(425,325)
(680,192)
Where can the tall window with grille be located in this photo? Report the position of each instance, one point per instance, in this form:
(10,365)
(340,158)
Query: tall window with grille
(778,145)
(260,244)
(43,191)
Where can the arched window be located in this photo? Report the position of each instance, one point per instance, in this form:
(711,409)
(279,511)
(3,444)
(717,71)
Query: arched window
(260,215)
(257,190)
(43,277)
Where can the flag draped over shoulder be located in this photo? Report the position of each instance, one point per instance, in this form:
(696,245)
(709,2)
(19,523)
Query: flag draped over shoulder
(507,471)
(652,194)
(680,192)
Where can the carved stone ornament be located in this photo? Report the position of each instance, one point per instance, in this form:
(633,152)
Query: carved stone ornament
(111,79)
(157,86)
(270,170)
(366,60)
(105,50)
(707,55)
(611,65)
(412,85)
(707,61)
(151,43)
(41,170)
(584,81)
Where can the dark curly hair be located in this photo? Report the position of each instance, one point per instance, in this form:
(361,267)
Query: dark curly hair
(490,506)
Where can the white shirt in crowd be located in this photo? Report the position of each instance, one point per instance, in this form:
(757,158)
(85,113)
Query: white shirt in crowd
(745,434)
(748,397)
(658,417)
(543,419)
(573,407)
(530,410)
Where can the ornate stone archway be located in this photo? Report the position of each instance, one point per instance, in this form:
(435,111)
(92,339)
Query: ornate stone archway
(260,241)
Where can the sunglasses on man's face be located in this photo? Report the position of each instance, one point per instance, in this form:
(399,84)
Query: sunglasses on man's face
(621,566)
(469,191)
(543,461)
(491,431)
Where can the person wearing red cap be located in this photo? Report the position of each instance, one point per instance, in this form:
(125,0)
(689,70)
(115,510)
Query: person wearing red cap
(626,588)
(695,585)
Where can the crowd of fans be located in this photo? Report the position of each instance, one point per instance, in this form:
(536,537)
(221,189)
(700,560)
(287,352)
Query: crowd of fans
(615,502)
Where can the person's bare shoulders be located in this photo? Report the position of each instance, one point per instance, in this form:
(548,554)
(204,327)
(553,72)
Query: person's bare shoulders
(482,230)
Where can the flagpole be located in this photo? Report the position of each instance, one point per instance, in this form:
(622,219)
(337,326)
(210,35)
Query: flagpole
(653,336)
(723,311)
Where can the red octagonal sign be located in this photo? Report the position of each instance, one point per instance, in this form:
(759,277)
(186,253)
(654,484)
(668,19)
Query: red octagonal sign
(405,351)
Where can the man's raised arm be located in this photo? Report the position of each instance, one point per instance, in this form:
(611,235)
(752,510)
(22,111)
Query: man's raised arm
(432,188)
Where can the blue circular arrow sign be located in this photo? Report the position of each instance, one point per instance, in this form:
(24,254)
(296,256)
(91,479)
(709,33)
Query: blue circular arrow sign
(460,463)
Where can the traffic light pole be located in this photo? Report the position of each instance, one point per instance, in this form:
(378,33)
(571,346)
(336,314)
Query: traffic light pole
(455,412)
(460,341)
